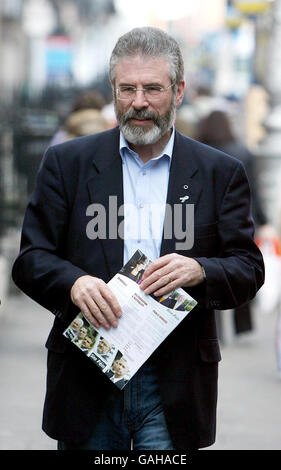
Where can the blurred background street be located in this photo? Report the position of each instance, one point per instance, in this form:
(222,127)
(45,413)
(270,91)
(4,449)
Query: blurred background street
(54,86)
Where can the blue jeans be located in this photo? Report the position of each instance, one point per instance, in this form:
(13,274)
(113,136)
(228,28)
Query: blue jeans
(130,419)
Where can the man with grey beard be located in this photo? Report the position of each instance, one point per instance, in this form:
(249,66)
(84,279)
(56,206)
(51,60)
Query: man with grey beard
(170,403)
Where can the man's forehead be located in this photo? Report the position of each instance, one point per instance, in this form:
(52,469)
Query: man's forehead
(131,65)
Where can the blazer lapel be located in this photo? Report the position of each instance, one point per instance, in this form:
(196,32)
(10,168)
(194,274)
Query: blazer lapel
(184,192)
(106,189)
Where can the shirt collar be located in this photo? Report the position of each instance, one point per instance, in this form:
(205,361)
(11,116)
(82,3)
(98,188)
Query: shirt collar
(168,150)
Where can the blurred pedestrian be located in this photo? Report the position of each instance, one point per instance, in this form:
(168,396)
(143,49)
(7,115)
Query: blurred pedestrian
(84,118)
(215,129)
(84,122)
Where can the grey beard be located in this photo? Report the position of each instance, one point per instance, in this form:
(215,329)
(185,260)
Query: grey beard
(140,136)
(137,135)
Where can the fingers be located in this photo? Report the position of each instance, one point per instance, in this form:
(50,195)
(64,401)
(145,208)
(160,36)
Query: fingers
(164,285)
(88,312)
(96,301)
(157,280)
(160,276)
(156,265)
(170,272)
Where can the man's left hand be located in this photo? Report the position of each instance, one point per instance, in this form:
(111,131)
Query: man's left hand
(169,272)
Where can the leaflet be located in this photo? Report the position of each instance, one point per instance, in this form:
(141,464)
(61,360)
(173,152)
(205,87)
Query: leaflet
(145,323)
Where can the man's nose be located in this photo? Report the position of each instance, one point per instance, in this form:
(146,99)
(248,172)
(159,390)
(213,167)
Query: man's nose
(140,100)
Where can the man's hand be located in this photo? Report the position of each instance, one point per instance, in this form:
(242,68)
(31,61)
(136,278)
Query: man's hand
(96,301)
(170,272)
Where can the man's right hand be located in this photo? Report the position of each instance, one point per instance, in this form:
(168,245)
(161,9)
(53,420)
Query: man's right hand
(96,301)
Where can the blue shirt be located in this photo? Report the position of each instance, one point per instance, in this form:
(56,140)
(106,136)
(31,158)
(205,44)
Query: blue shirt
(145,193)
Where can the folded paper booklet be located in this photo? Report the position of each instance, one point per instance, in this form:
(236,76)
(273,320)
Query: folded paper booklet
(145,323)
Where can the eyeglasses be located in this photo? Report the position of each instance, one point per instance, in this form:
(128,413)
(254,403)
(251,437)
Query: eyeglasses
(151,92)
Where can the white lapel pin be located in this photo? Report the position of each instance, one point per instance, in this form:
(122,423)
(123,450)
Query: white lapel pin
(184,198)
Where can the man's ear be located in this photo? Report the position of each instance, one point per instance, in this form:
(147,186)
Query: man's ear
(180,92)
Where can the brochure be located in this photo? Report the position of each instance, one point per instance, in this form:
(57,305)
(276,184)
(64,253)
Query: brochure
(145,323)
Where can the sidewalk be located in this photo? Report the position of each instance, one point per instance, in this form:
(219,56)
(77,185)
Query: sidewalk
(24,328)
(249,406)
(249,403)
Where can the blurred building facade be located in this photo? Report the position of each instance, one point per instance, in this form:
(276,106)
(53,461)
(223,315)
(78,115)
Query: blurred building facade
(40,41)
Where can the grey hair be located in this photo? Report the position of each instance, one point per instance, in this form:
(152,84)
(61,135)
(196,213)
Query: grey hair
(152,42)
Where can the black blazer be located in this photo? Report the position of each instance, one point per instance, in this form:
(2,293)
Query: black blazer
(55,251)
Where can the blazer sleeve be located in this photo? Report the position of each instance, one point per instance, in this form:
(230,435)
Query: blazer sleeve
(40,269)
(234,277)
